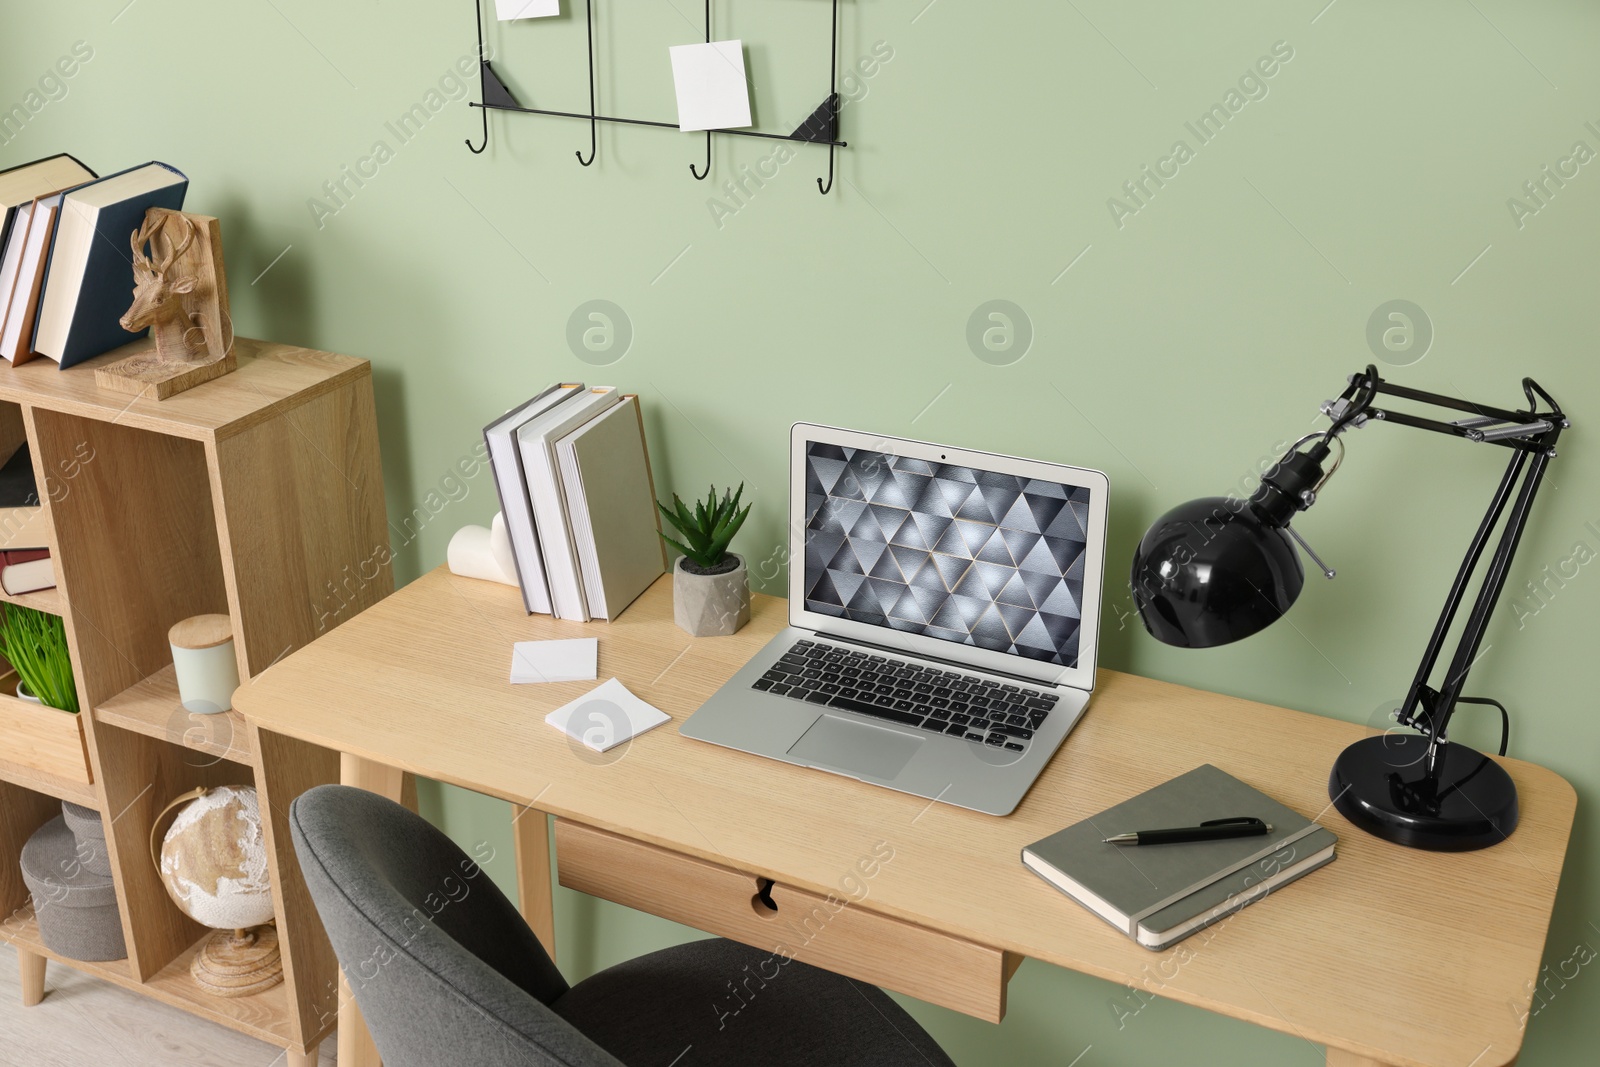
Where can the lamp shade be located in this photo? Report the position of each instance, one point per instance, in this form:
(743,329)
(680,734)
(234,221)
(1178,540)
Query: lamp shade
(1213,571)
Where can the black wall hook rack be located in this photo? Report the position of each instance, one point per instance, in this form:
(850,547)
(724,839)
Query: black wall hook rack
(821,127)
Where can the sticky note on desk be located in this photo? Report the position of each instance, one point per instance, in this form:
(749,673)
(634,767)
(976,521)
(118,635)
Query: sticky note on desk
(573,660)
(605,717)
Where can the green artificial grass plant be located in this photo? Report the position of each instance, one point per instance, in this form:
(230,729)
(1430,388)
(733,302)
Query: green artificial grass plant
(706,533)
(35,644)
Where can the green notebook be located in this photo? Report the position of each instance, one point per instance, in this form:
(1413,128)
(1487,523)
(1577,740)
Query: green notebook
(1160,894)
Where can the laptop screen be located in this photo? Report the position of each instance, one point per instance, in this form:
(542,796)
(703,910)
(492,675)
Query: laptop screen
(950,552)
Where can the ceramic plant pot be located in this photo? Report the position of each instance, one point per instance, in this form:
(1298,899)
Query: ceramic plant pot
(23,694)
(713,604)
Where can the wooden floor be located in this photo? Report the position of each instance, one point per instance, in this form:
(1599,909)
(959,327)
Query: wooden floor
(83,1021)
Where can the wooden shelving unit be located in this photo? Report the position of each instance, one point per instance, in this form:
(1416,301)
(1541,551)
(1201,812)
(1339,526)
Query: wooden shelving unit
(258,494)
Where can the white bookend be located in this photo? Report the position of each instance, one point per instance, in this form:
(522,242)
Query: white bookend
(537,442)
(611,500)
(500,437)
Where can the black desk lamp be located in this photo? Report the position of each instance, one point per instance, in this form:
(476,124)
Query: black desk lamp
(1218,569)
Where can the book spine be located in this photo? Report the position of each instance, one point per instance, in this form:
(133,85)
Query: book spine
(530,574)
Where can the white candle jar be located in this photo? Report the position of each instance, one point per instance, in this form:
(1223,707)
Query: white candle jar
(203,659)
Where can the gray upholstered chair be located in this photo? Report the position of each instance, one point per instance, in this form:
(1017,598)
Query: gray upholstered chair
(446,972)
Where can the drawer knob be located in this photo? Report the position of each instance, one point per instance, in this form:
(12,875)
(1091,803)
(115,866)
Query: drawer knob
(762,903)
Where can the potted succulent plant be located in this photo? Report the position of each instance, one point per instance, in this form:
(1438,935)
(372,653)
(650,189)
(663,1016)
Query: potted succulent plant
(710,585)
(35,644)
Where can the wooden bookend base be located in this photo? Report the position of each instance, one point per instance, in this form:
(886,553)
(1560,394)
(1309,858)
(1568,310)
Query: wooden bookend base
(238,964)
(148,374)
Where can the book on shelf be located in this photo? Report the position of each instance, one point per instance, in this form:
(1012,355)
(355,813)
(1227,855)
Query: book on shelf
(89,271)
(11,256)
(25,182)
(31,239)
(1160,894)
(505,460)
(31,572)
(536,440)
(611,502)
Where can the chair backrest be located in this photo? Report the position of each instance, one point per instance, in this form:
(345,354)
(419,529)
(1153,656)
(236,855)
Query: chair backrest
(443,967)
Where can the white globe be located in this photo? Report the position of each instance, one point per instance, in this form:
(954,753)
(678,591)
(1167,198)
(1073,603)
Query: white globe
(214,860)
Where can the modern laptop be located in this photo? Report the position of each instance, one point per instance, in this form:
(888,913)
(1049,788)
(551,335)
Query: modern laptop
(944,609)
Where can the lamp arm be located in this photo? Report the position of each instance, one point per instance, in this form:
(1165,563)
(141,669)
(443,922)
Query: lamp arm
(1532,436)
(1483,607)
(1520,430)
(1420,691)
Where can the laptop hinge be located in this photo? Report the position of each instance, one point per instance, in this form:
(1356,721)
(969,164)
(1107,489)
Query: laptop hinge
(952,664)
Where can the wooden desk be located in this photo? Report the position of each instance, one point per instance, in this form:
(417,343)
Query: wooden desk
(1387,956)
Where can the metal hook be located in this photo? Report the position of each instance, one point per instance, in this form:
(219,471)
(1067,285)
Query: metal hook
(825,188)
(593,124)
(833,97)
(468,142)
(701,176)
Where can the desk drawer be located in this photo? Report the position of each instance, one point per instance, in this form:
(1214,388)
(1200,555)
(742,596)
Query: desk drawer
(846,938)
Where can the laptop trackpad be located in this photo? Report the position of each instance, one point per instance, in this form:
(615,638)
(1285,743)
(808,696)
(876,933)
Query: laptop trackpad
(855,747)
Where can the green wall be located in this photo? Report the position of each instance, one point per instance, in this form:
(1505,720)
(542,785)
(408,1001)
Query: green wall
(1196,327)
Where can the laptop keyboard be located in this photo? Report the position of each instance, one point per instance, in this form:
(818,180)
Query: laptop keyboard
(912,694)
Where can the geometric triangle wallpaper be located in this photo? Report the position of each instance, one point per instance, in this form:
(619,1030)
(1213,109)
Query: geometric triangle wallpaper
(960,554)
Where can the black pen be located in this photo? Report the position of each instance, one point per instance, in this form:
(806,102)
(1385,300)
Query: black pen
(1212,830)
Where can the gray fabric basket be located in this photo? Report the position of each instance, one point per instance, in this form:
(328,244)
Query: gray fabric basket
(86,826)
(76,908)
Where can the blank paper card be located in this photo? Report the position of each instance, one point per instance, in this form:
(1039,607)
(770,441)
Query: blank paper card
(712,93)
(508,10)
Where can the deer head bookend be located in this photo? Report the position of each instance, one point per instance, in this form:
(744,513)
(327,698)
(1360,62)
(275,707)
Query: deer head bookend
(163,286)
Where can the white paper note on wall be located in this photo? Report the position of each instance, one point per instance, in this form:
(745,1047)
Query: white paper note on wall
(506,10)
(712,92)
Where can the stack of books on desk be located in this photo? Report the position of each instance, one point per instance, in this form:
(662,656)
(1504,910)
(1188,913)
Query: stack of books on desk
(1159,894)
(573,474)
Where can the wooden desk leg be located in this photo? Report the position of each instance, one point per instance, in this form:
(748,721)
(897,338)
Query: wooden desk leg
(307,1058)
(355,1041)
(32,967)
(1341,1058)
(374,777)
(530,829)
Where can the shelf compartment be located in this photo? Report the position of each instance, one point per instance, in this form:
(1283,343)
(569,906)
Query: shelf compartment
(264,1016)
(41,739)
(131,563)
(22,528)
(151,707)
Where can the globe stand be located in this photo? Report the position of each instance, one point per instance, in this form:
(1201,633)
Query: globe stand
(238,963)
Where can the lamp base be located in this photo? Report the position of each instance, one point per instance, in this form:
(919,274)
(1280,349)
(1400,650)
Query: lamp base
(1382,785)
